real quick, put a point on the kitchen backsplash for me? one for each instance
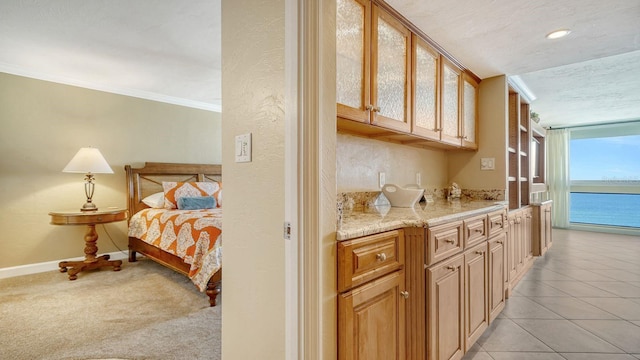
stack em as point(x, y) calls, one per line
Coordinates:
point(358, 201)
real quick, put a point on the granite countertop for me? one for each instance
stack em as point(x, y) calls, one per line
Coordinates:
point(377, 219)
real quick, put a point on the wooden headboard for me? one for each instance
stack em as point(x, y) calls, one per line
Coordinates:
point(147, 180)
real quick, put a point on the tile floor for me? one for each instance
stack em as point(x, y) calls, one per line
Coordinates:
point(581, 300)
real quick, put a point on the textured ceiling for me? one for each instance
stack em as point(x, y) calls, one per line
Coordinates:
point(170, 50)
point(166, 50)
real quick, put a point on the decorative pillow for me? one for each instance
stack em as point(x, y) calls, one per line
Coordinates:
point(155, 201)
point(196, 203)
point(174, 190)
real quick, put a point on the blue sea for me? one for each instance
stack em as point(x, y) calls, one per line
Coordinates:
point(605, 209)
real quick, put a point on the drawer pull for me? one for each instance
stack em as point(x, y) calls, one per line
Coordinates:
point(450, 241)
point(499, 242)
point(452, 268)
point(381, 257)
point(479, 252)
point(478, 230)
point(405, 294)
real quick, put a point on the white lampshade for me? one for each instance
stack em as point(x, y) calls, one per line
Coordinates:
point(88, 160)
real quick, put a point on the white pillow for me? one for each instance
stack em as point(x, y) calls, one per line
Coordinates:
point(155, 201)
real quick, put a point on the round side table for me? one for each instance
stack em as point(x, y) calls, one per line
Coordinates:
point(89, 218)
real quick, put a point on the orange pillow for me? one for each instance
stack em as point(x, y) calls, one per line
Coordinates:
point(174, 190)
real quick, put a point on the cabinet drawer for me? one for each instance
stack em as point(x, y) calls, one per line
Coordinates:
point(497, 222)
point(369, 257)
point(443, 241)
point(475, 230)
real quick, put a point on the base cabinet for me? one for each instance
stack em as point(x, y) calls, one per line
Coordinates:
point(519, 249)
point(372, 300)
point(541, 235)
point(371, 320)
point(458, 273)
point(497, 266)
point(476, 293)
point(445, 304)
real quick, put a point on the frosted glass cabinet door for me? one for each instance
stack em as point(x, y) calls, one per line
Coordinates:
point(352, 62)
point(391, 59)
point(469, 111)
point(450, 117)
point(426, 65)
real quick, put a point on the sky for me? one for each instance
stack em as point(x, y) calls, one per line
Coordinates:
point(606, 159)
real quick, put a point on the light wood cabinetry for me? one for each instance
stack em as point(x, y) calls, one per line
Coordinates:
point(475, 230)
point(541, 236)
point(450, 103)
point(519, 250)
point(443, 241)
point(519, 177)
point(353, 63)
point(421, 294)
point(469, 107)
point(393, 85)
point(426, 94)
point(465, 287)
point(371, 302)
point(497, 265)
point(390, 72)
point(373, 55)
point(476, 276)
point(445, 309)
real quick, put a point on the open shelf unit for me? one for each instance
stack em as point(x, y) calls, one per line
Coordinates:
point(519, 176)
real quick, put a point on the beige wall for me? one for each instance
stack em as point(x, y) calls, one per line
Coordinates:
point(359, 160)
point(464, 167)
point(43, 126)
point(253, 89)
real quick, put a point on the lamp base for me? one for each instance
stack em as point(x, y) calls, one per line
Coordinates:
point(88, 206)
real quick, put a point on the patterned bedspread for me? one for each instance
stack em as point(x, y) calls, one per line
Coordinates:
point(193, 235)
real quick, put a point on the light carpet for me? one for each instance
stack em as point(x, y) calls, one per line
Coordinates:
point(144, 311)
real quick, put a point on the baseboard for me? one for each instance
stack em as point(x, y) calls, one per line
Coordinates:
point(48, 266)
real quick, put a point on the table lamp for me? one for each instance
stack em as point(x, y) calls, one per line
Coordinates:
point(88, 161)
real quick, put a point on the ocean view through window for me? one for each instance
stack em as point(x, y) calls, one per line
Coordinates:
point(605, 180)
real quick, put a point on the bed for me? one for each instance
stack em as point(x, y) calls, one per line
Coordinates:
point(200, 259)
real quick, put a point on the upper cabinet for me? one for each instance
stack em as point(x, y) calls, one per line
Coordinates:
point(469, 112)
point(390, 65)
point(373, 66)
point(450, 117)
point(426, 81)
point(392, 84)
point(353, 31)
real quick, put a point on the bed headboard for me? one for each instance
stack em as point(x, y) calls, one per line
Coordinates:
point(147, 180)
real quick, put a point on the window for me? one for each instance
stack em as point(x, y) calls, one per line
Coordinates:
point(605, 175)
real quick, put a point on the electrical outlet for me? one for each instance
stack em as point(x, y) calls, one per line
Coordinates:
point(418, 179)
point(487, 163)
point(381, 179)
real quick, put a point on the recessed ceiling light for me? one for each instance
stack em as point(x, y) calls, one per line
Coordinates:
point(558, 34)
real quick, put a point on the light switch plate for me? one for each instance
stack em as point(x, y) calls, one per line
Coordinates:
point(487, 163)
point(243, 148)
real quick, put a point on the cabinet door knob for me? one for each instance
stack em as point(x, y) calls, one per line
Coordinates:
point(405, 294)
point(381, 257)
point(368, 107)
point(376, 109)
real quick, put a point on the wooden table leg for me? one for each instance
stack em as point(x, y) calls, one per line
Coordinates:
point(90, 261)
